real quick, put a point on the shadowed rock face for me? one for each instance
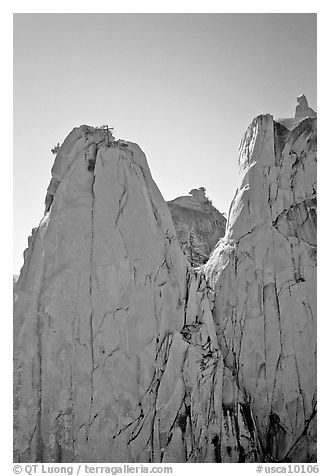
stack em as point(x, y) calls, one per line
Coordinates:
point(264, 276)
point(198, 225)
point(124, 353)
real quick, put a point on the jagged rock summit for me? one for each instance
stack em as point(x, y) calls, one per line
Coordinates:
point(263, 273)
point(125, 353)
point(302, 109)
point(198, 224)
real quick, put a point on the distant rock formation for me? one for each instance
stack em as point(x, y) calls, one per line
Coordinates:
point(198, 224)
point(123, 352)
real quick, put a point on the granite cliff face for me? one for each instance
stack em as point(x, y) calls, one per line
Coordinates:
point(125, 353)
point(198, 224)
point(98, 306)
point(263, 273)
point(116, 356)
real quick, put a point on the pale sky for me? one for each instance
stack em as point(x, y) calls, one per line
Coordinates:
point(183, 86)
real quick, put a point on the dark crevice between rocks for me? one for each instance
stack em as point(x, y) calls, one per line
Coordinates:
point(217, 449)
point(247, 416)
point(281, 133)
point(91, 164)
point(232, 411)
point(275, 437)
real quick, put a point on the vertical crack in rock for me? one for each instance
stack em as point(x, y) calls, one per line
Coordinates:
point(124, 352)
point(91, 168)
point(269, 245)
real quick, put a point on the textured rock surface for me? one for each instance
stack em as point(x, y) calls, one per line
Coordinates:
point(198, 225)
point(264, 277)
point(303, 109)
point(125, 353)
point(116, 355)
point(97, 304)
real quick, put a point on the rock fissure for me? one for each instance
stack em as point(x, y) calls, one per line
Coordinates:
point(137, 341)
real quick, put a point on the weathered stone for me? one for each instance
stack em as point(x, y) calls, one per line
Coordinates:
point(125, 353)
point(116, 354)
point(198, 224)
point(303, 109)
point(264, 277)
